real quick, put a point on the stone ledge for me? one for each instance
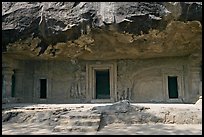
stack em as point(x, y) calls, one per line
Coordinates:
point(10, 100)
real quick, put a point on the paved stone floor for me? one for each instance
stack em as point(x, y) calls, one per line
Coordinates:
point(111, 129)
point(152, 129)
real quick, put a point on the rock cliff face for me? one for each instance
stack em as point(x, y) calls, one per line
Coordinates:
point(101, 30)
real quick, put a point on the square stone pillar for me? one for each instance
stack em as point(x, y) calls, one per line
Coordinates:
point(19, 89)
point(7, 82)
point(200, 88)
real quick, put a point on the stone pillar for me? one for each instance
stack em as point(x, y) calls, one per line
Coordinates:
point(19, 92)
point(200, 88)
point(7, 82)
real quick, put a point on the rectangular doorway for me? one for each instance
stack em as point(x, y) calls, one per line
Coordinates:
point(43, 88)
point(102, 84)
point(13, 86)
point(172, 87)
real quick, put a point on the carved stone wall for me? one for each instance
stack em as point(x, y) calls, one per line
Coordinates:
point(136, 80)
point(146, 80)
point(78, 86)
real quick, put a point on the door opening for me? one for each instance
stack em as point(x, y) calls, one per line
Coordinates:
point(13, 86)
point(172, 87)
point(2, 84)
point(102, 84)
point(43, 88)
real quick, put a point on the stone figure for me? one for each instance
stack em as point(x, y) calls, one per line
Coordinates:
point(77, 89)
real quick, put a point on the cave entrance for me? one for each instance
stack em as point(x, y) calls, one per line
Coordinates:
point(43, 88)
point(172, 87)
point(13, 86)
point(102, 84)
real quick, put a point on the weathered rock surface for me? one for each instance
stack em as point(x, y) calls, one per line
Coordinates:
point(124, 112)
point(122, 106)
point(68, 119)
point(101, 30)
point(199, 102)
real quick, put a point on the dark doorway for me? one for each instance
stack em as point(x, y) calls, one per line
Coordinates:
point(43, 88)
point(172, 87)
point(13, 86)
point(102, 84)
point(2, 82)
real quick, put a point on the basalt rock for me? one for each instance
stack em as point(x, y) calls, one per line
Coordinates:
point(101, 30)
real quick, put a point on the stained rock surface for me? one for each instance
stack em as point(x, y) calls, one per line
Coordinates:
point(101, 30)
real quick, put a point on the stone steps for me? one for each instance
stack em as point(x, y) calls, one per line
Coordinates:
point(75, 128)
point(87, 122)
point(78, 122)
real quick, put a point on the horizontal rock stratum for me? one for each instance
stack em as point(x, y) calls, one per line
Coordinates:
point(101, 30)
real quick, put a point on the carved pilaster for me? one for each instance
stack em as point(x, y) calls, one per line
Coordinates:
point(7, 82)
point(19, 82)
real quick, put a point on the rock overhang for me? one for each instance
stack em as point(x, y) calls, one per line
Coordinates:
point(101, 31)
